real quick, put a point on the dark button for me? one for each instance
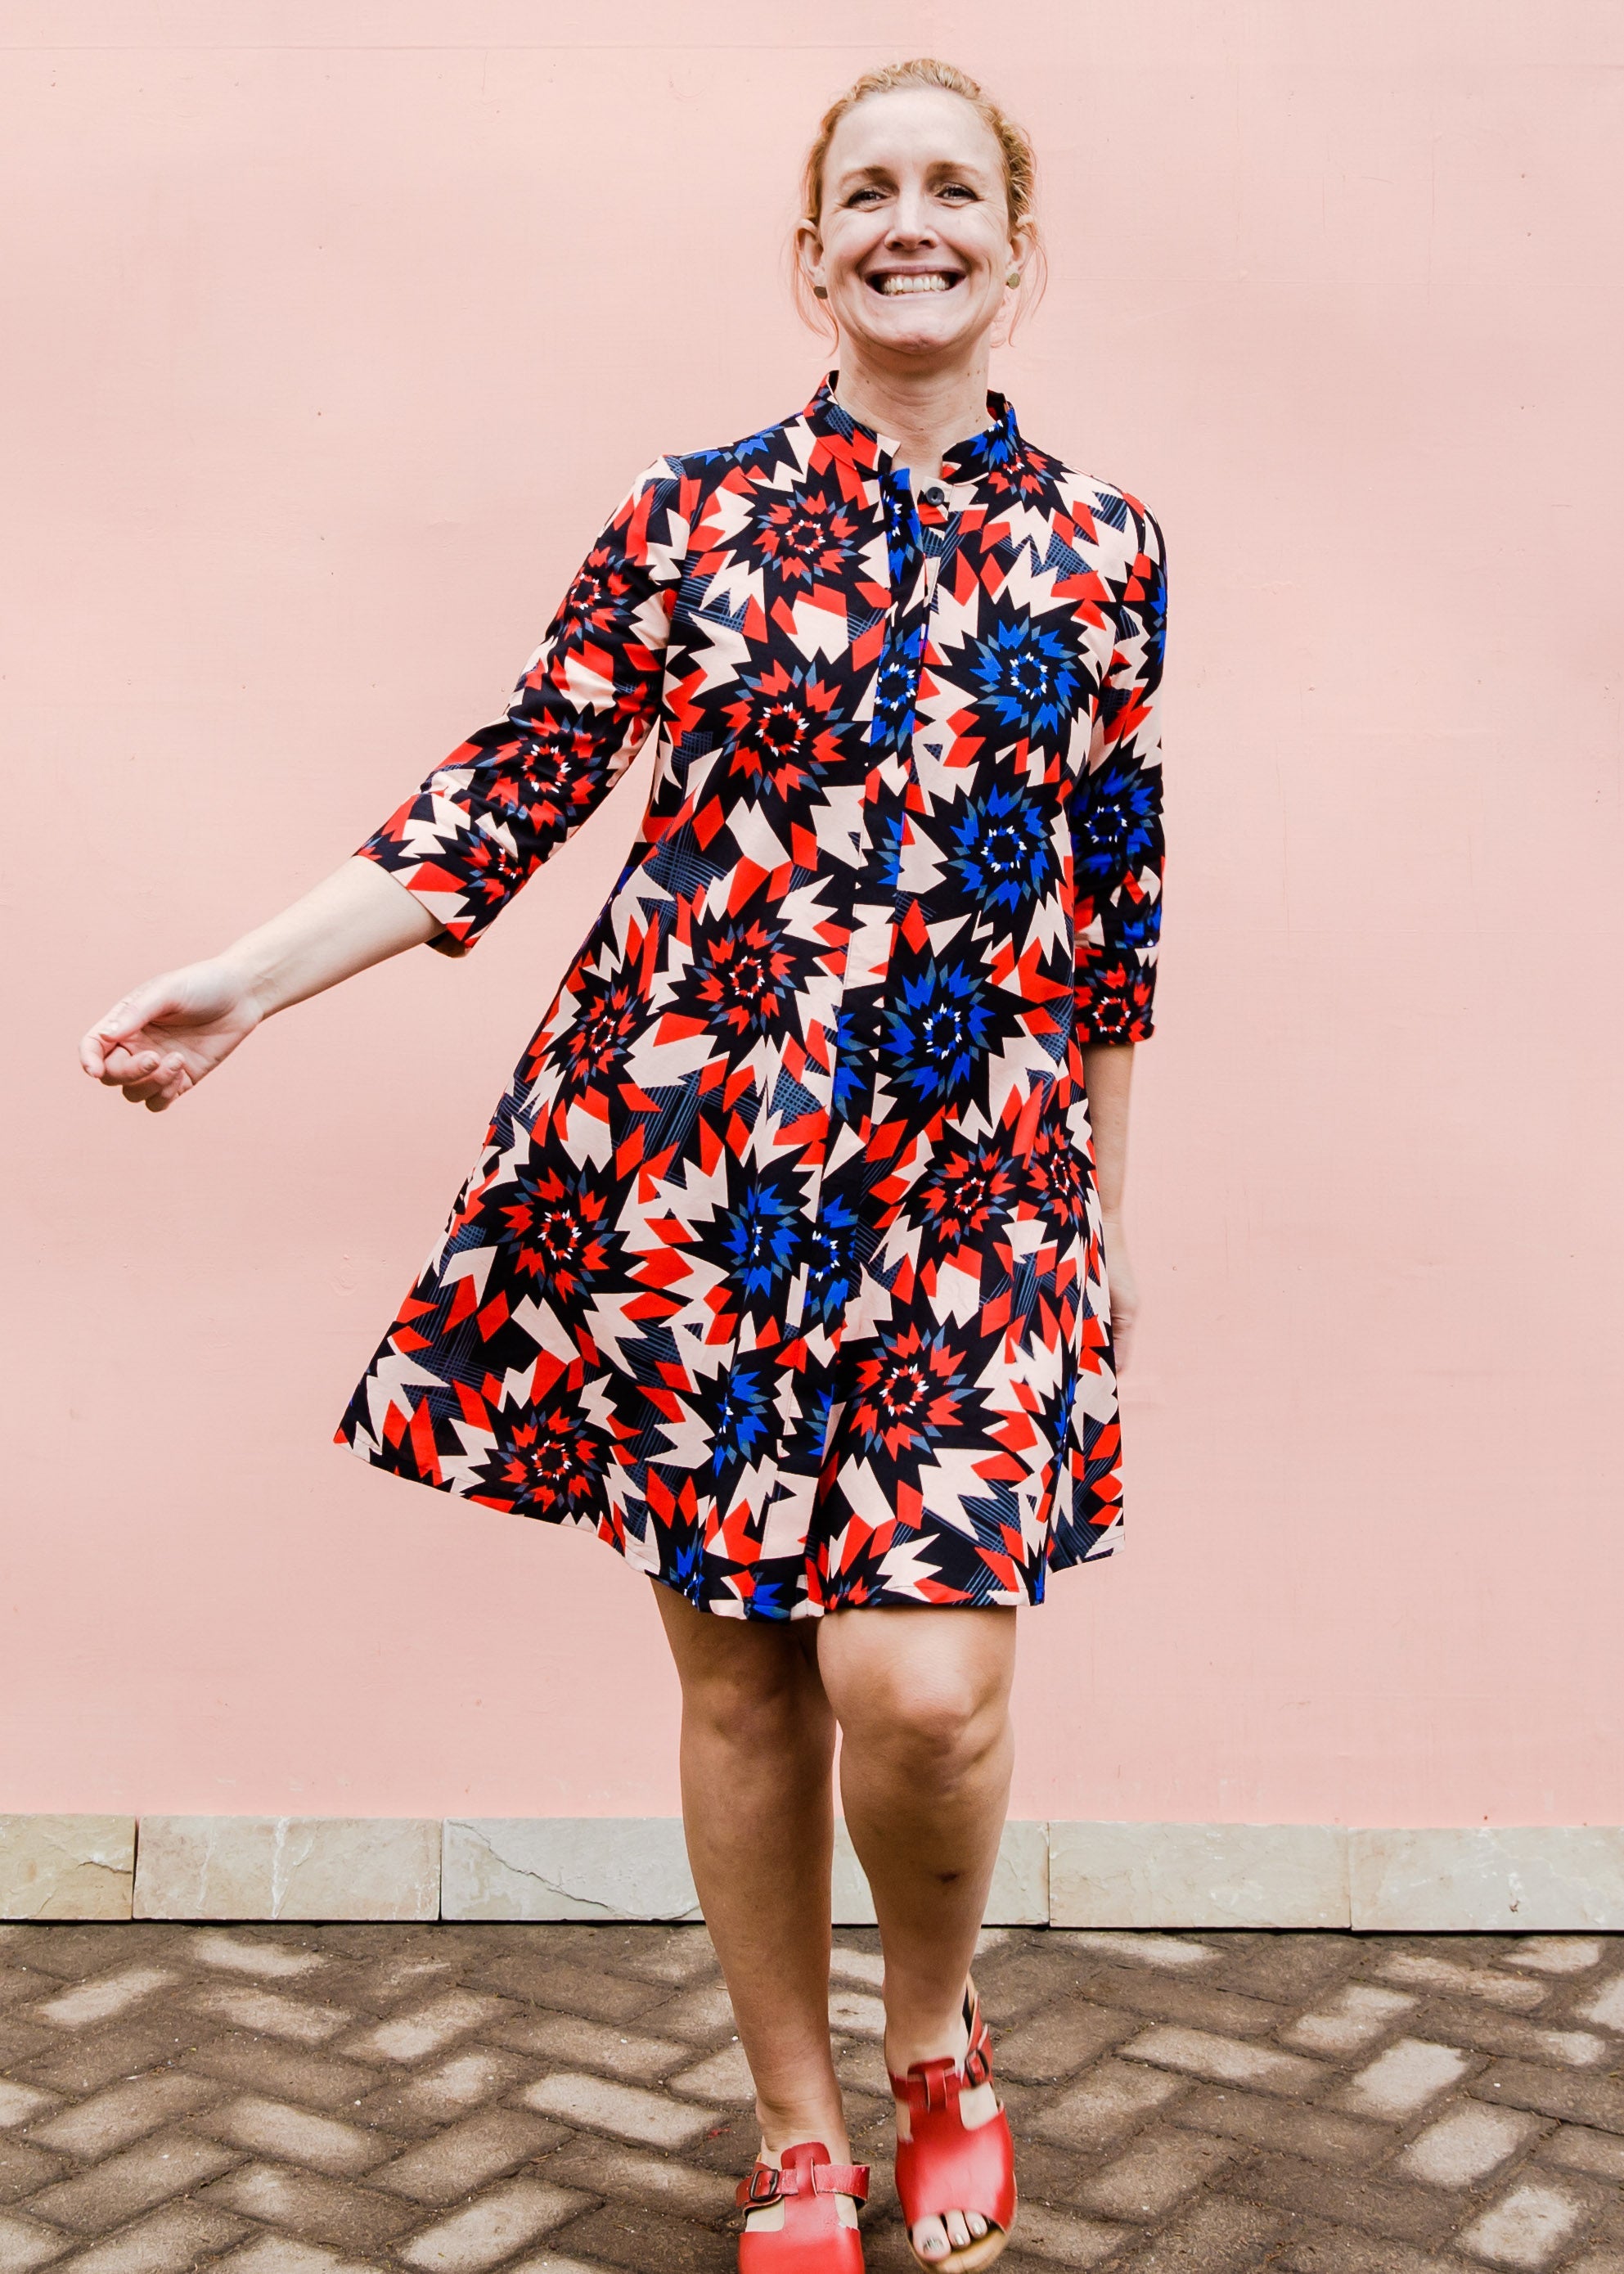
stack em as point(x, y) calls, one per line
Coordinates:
point(934, 495)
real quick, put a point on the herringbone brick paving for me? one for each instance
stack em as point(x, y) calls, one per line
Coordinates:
point(553, 2099)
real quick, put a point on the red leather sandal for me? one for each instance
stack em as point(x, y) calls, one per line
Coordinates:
point(944, 2165)
point(812, 2238)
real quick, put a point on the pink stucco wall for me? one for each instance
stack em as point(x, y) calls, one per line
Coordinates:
point(336, 328)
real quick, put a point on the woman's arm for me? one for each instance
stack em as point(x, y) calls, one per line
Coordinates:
point(163, 1037)
point(1107, 1069)
point(447, 861)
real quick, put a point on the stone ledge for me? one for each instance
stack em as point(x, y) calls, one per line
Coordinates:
point(624, 1867)
point(287, 1867)
point(1521, 1879)
point(66, 1867)
point(1489, 1879)
point(1191, 1875)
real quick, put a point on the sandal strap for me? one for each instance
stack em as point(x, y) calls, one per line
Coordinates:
point(766, 2185)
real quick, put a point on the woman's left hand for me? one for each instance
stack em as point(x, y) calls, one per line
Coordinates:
point(1124, 1288)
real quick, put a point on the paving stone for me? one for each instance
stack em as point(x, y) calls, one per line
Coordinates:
point(111, 2118)
point(490, 2229)
point(279, 2254)
point(1317, 2249)
point(99, 2000)
point(1358, 2014)
point(280, 2070)
point(1199, 2053)
point(1214, 2236)
point(856, 2015)
point(550, 2263)
point(1402, 2081)
point(1607, 2005)
point(272, 2012)
point(726, 2076)
point(673, 1955)
point(1171, 1951)
point(103, 2055)
point(167, 2241)
point(316, 2209)
point(1465, 2144)
point(1509, 2033)
point(19, 2041)
point(701, 2014)
point(623, 2109)
point(437, 2095)
point(218, 1947)
point(22, 2103)
point(860, 2067)
point(1062, 2240)
point(1345, 2142)
point(1554, 1954)
point(858, 1966)
point(464, 2155)
point(579, 2043)
point(25, 2245)
point(1421, 1970)
point(643, 2240)
point(1052, 2045)
point(1596, 2262)
point(295, 2136)
point(1162, 2167)
point(1289, 1968)
point(1176, 1997)
point(168, 2164)
point(426, 2029)
point(24, 2170)
point(574, 1988)
point(1580, 2150)
point(602, 2168)
point(1598, 2101)
point(1112, 2099)
point(1527, 2227)
point(1405, 2214)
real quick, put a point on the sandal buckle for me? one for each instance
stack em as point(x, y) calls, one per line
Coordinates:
point(756, 2193)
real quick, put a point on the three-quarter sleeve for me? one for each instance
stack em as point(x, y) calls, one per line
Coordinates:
point(1117, 837)
point(505, 800)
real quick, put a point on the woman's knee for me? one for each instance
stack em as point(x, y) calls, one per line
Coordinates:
point(928, 1698)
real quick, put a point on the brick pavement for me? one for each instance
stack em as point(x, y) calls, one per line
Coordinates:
point(549, 2099)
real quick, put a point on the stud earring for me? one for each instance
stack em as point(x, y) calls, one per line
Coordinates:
point(820, 291)
point(1013, 278)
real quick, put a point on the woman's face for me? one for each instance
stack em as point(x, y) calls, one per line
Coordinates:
point(914, 245)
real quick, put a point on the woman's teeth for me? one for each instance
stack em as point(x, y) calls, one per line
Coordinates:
point(933, 282)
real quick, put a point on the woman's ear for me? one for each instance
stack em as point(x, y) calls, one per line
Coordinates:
point(809, 257)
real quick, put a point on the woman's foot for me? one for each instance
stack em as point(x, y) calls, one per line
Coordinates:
point(951, 2131)
point(801, 2212)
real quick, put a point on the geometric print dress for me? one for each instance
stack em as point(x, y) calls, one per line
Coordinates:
point(780, 1266)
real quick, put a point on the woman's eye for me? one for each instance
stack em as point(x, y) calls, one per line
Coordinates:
point(957, 190)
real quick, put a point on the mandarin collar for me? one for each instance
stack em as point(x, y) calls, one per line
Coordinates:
point(996, 444)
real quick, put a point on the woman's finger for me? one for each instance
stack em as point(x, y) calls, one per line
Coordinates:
point(122, 1065)
point(122, 1024)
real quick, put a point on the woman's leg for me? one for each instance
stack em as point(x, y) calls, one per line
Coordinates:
point(922, 1700)
point(758, 1809)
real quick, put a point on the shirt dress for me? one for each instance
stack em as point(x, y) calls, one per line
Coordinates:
point(780, 1268)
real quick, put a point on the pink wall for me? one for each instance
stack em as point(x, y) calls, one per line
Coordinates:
point(308, 295)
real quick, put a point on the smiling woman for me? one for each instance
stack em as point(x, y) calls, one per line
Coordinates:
point(782, 1267)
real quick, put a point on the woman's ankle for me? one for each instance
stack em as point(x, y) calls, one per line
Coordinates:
point(920, 2033)
point(786, 2128)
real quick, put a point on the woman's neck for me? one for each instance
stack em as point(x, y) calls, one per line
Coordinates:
point(924, 413)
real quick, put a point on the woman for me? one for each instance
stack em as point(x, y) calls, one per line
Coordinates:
point(783, 1266)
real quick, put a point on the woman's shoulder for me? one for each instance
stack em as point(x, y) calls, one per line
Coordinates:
point(1117, 518)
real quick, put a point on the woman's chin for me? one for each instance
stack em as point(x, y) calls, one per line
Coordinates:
point(914, 332)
